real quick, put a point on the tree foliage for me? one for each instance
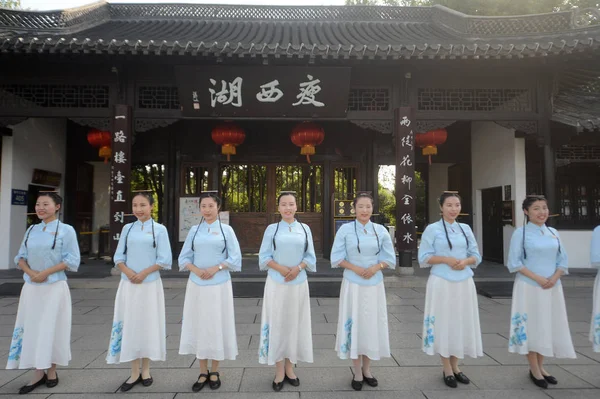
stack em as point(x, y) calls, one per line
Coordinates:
point(11, 4)
point(490, 7)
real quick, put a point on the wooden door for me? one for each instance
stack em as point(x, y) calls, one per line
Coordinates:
point(492, 232)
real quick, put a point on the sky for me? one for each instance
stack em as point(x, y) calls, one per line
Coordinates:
point(62, 4)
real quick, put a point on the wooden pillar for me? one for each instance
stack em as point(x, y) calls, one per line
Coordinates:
point(328, 185)
point(120, 172)
point(544, 100)
point(406, 237)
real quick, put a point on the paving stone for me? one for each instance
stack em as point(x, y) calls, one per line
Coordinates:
point(111, 396)
point(408, 327)
point(491, 340)
point(517, 377)
point(328, 301)
point(174, 360)
point(485, 394)
point(7, 376)
point(75, 381)
point(410, 379)
point(590, 374)
point(169, 380)
point(416, 357)
point(404, 340)
point(96, 341)
point(365, 393)
point(574, 393)
point(588, 351)
point(407, 317)
point(242, 395)
point(311, 379)
point(324, 341)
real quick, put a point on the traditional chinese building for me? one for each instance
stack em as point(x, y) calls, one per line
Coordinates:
point(186, 98)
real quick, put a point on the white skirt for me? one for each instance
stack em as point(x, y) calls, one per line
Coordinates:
point(286, 331)
point(139, 329)
point(539, 322)
point(595, 324)
point(451, 319)
point(208, 329)
point(42, 334)
point(362, 322)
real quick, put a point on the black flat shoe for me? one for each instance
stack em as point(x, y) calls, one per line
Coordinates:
point(277, 385)
point(450, 381)
point(462, 378)
point(29, 388)
point(147, 381)
point(357, 385)
point(127, 386)
point(540, 383)
point(372, 382)
point(199, 385)
point(214, 384)
point(293, 382)
point(51, 383)
point(550, 380)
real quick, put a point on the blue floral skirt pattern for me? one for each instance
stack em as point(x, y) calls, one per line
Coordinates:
point(16, 345)
point(345, 348)
point(264, 343)
point(428, 333)
point(518, 334)
point(116, 337)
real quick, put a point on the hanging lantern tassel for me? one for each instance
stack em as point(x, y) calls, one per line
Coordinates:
point(228, 135)
point(430, 140)
point(307, 136)
point(105, 152)
point(101, 140)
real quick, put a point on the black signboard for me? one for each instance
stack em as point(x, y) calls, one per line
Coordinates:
point(46, 178)
point(120, 172)
point(263, 91)
point(406, 185)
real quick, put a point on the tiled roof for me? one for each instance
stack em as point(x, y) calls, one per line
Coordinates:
point(294, 31)
point(578, 109)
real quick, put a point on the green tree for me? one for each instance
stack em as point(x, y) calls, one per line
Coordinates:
point(151, 177)
point(490, 7)
point(11, 4)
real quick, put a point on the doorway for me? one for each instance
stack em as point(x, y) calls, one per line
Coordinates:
point(492, 231)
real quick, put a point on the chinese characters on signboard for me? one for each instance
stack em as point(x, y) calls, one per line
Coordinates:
point(120, 171)
point(405, 180)
point(259, 91)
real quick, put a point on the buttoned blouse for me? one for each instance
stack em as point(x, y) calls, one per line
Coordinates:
point(434, 243)
point(39, 253)
point(345, 247)
point(290, 242)
point(543, 256)
point(141, 253)
point(208, 252)
point(595, 248)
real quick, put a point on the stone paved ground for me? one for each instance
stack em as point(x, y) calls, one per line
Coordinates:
point(408, 374)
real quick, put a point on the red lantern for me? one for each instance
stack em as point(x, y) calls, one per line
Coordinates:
point(307, 135)
point(430, 140)
point(228, 135)
point(100, 139)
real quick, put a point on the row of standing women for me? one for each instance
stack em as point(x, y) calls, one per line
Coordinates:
point(539, 327)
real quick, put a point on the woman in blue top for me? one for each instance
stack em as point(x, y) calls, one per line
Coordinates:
point(364, 249)
point(451, 318)
point(538, 326)
point(595, 259)
point(139, 329)
point(42, 334)
point(210, 251)
point(287, 249)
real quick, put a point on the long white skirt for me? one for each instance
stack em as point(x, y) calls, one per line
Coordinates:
point(208, 329)
point(539, 322)
point(139, 329)
point(286, 330)
point(595, 324)
point(42, 334)
point(451, 319)
point(362, 322)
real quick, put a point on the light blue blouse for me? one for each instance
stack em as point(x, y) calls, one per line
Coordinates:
point(543, 257)
point(290, 241)
point(141, 253)
point(435, 243)
point(345, 247)
point(595, 248)
point(40, 255)
point(208, 252)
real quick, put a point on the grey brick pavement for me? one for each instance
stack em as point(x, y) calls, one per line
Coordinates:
point(408, 374)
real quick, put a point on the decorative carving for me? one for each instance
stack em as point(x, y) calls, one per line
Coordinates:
point(585, 17)
point(527, 127)
point(478, 100)
point(381, 126)
point(425, 126)
point(54, 96)
point(143, 125)
point(10, 121)
point(96, 123)
point(369, 99)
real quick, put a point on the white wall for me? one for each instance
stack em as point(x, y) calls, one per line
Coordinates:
point(438, 183)
point(101, 199)
point(577, 244)
point(498, 159)
point(36, 144)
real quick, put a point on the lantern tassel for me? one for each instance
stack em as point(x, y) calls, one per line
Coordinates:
point(430, 160)
point(308, 158)
point(228, 158)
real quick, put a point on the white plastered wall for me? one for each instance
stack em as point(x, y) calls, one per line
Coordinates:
point(438, 183)
point(101, 200)
point(498, 159)
point(36, 143)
